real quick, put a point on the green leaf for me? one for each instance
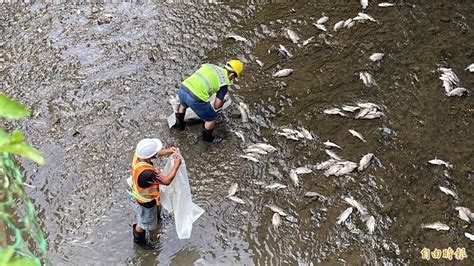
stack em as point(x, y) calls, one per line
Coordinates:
point(11, 109)
point(23, 149)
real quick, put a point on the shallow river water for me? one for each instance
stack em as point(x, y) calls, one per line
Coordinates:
point(98, 78)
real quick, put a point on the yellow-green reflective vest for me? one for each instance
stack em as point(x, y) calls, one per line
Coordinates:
point(207, 80)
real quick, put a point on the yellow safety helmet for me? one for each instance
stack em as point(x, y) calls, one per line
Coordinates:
point(236, 66)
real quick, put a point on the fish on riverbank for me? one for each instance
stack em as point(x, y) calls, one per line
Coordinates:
point(334, 111)
point(370, 224)
point(277, 209)
point(357, 135)
point(376, 57)
point(437, 161)
point(344, 215)
point(236, 37)
point(294, 177)
point(232, 189)
point(436, 226)
point(276, 220)
point(465, 214)
point(448, 191)
point(236, 199)
point(283, 73)
point(365, 161)
point(330, 144)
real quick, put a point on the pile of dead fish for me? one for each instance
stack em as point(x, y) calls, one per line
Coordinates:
point(365, 217)
point(294, 134)
point(451, 83)
point(254, 151)
point(365, 111)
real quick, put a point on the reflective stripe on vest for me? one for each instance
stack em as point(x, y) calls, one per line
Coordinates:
point(219, 74)
point(209, 87)
point(143, 195)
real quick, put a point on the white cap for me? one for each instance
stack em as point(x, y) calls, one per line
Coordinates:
point(146, 148)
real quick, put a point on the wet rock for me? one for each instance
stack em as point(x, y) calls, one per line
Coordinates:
point(445, 19)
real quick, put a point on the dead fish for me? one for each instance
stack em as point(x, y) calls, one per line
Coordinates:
point(276, 220)
point(275, 186)
point(306, 134)
point(365, 16)
point(255, 150)
point(236, 37)
point(386, 4)
point(344, 215)
point(236, 199)
point(311, 194)
point(338, 25)
point(260, 63)
point(347, 168)
point(264, 146)
point(329, 144)
point(292, 35)
point(285, 52)
point(373, 115)
point(370, 224)
point(448, 191)
point(436, 226)
point(240, 135)
point(465, 214)
point(243, 113)
point(320, 26)
point(232, 189)
point(347, 22)
point(333, 169)
point(376, 57)
point(350, 25)
point(303, 170)
point(457, 92)
point(369, 105)
point(354, 203)
point(334, 111)
point(470, 68)
point(349, 108)
point(306, 42)
point(365, 161)
point(283, 73)
point(470, 236)
point(357, 135)
point(367, 79)
point(333, 155)
point(363, 112)
point(250, 158)
point(288, 135)
point(364, 3)
point(325, 165)
point(437, 161)
point(294, 177)
point(277, 209)
point(322, 20)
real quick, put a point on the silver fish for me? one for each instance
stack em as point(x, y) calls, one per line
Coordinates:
point(347, 168)
point(363, 15)
point(347, 22)
point(277, 209)
point(325, 165)
point(365, 161)
point(236, 37)
point(250, 158)
point(338, 25)
point(373, 115)
point(292, 35)
point(311, 194)
point(276, 220)
point(306, 134)
point(260, 63)
point(236, 199)
point(334, 111)
point(363, 113)
point(232, 189)
point(288, 135)
point(303, 170)
point(465, 214)
point(284, 51)
point(275, 186)
point(344, 215)
point(370, 224)
point(385, 4)
point(354, 203)
point(350, 25)
point(332, 155)
point(369, 105)
point(255, 150)
point(294, 177)
point(437, 161)
point(366, 79)
point(349, 108)
point(357, 135)
point(320, 26)
point(376, 57)
point(306, 42)
point(457, 92)
point(470, 236)
point(264, 146)
point(448, 87)
point(448, 191)
point(470, 68)
point(243, 113)
point(322, 20)
point(333, 169)
point(329, 144)
point(283, 73)
point(240, 135)
point(364, 3)
point(436, 226)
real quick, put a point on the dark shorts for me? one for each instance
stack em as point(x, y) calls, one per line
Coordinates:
point(203, 109)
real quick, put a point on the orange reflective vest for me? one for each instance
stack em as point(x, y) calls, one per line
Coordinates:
point(143, 195)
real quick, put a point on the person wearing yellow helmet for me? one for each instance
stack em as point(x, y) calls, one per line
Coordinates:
point(195, 91)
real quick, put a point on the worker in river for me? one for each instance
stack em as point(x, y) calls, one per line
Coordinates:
point(144, 184)
point(195, 91)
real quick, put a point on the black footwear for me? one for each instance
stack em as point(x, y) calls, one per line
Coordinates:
point(140, 239)
point(180, 124)
point(158, 213)
point(208, 137)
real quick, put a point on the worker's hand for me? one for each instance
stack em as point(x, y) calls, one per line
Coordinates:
point(172, 150)
point(177, 160)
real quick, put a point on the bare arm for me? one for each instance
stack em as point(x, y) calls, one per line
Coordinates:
point(168, 178)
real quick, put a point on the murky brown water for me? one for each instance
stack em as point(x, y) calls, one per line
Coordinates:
point(95, 93)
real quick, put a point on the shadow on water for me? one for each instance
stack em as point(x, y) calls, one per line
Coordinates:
point(98, 79)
